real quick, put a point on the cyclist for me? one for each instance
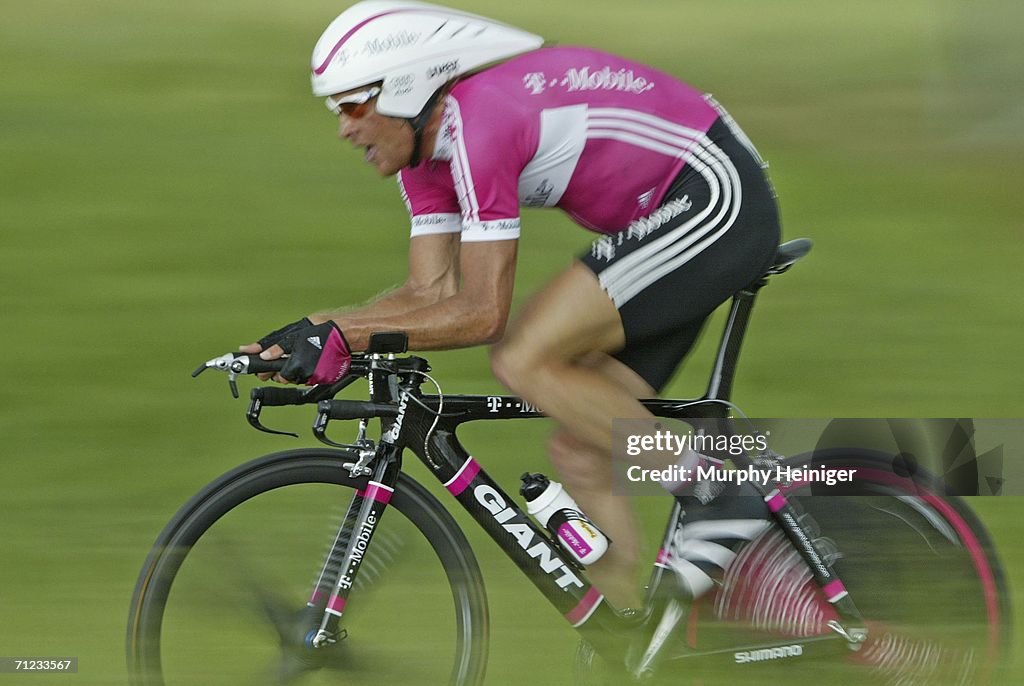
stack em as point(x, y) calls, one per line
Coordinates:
point(476, 119)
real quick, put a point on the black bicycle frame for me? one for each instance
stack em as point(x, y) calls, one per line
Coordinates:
point(427, 425)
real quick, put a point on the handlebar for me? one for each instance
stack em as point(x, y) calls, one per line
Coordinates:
point(382, 345)
point(387, 371)
point(240, 363)
point(271, 396)
point(355, 409)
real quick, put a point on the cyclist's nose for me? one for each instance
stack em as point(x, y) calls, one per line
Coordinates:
point(346, 127)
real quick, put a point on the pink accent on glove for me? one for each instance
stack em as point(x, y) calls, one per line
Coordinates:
point(334, 361)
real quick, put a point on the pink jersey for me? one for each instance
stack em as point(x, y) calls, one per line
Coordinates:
point(596, 135)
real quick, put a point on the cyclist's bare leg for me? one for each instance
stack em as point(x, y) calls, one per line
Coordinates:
point(555, 356)
point(542, 357)
point(586, 474)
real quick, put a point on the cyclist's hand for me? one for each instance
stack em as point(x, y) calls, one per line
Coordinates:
point(270, 341)
point(276, 336)
point(316, 355)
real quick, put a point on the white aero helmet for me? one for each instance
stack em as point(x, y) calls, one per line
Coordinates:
point(412, 48)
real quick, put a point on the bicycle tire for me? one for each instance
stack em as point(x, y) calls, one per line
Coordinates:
point(269, 488)
point(919, 563)
point(768, 593)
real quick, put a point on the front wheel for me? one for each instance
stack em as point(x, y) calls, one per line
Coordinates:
point(222, 598)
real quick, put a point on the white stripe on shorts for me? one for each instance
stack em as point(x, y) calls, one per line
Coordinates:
point(637, 271)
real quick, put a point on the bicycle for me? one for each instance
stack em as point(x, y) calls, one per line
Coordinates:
point(787, 601)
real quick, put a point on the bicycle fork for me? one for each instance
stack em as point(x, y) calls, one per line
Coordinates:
point(335, 582)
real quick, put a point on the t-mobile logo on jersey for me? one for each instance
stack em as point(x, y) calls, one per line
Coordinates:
point(535, 82)
point(625, 80)
point(583, 79)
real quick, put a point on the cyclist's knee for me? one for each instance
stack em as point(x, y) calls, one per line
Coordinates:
point(514, 366)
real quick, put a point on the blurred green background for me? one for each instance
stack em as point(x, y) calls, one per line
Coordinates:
point(169, 190)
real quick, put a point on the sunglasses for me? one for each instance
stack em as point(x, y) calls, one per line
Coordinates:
point(355, 105)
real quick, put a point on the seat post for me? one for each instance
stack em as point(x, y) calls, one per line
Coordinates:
point(720, 384)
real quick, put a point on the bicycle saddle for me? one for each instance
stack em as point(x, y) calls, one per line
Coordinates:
point(788, 254)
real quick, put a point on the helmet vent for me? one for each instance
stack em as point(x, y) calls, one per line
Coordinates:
point(436, 31)
point(457, 31)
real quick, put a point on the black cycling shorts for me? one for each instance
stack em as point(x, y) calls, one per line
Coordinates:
point(717, 231)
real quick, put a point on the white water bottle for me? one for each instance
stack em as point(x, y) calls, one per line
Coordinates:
point(550, 505)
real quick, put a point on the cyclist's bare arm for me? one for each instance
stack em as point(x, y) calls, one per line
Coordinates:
point(440, 315)
point(474, 314)
point(433, 276)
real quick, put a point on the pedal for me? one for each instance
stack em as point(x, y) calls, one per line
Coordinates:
point(855, 636)
point(654, 652)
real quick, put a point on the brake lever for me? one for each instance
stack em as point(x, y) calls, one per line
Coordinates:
point(222, 363)
point(232, 363)
point(253, 416)
point(276, 397)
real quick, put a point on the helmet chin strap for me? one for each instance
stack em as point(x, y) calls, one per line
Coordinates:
point(419, 124)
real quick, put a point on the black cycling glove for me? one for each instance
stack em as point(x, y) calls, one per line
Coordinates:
point(275, 337)
point(316, 355)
